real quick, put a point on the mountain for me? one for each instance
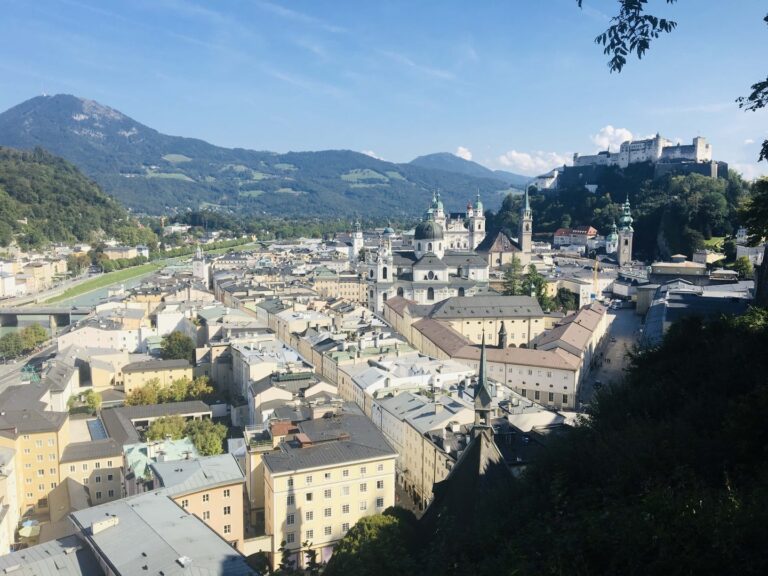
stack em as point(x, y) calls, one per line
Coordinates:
point(44, 198)
point(452, 163)
point(154, 173)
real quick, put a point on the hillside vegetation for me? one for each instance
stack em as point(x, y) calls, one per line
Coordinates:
point(669, 476)
point(44, 198)
point(155, 173)
point(674, 214)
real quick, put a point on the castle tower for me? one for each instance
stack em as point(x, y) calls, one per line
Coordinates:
point(477, 224)
point(626, 232)
point(357, 243)
point(483, 396)
point(526, 226)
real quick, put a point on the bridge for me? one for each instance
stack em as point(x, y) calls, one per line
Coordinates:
point(47, 316)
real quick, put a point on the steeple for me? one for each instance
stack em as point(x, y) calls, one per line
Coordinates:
point(479, 204)
point(525, 237)
point(483, 398)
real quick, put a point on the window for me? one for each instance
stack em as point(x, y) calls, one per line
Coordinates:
point(327, 530)
point(98, 495)
point(379, 502)
point(97, 465)
point(309, 479)
point(53, 485)
point(345, 509)
point(51, 456)
point(430, 293)
point(327, 512)
point(551, 396)
point(228, 529)
point(327, 476)
point(41, 472)
point(380, 468)
point(290, 519)
point(309, 515)
point(38, 443)
point(42, 503)
point(28, 465)
point(184, 504)
point(327, 493)
point(226, 493)
point(28, 480)
point(227, 510)
point(363, 505)
point(41, 487)
point(109, 477)
point(52, 471)
point(111, 493)
point(536, 395)
point(565, 398)
point(30, 495)
point(363, 470)
point(39, 457)
point(379, 484)
point(290, 538)
point(364, 487)
point(51, 442)
point(98, 479)
point(85, 480)
point(27, 451)
point(206, 497)
point(345, 490)
point(109, 463)
point(290, 482)
point(85, 466)
point(206, 515)
point(523, 392)
point(310, 534)
point(345, 473)
point(291, 500)
point(309, 496)
point(345, 527)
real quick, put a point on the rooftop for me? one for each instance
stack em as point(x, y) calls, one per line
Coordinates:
point(185, 476)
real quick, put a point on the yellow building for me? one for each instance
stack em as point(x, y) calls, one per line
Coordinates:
point(137, 374)
point(39, 438)
point(325, 478)
point(97, 466)
point(211, 488)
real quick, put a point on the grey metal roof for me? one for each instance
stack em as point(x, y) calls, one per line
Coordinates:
point(14, 422)
point(119, 421)
point(348, 437)
point(465, 259)
point(63, 557)
point(429, 261)
point(152, 365)
point(91, 450)
point(154, 535)
point(183, 476)
point(487, 307)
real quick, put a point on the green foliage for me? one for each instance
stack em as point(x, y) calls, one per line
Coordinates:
point(32, 336)
point(57, 201)
point(78, 263)
point(11, 345)
point(566, 300)
point(178, 346)
point(378, 545)
point(207, 436)
point(754, 212)
point(535, 284)
point(172, 427)
point(513, 278)
point(179, 390)
point(93, 401)
point(743, 266)
point(21, 342)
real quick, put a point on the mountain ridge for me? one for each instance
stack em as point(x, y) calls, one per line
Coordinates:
point(156, 173)
point(452, 163)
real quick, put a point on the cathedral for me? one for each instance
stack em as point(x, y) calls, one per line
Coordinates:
point(442, 260)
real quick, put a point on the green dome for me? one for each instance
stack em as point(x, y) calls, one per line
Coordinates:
point(428, 230)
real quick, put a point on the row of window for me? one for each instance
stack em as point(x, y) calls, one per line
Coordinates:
point(309, 515)
point(290, 538)
point(328, 493)
point(344, 474)
point(537, 396)
point(96, 466)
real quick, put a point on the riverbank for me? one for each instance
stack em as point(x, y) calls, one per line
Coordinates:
point(104, 280)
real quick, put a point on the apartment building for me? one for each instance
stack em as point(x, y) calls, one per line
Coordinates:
point(211, 488)
point(137, 374)
point(325, 478)
point(96, 465)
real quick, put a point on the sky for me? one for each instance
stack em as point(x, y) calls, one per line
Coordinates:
point(516, 85)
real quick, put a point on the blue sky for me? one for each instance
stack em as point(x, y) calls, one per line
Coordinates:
point(516, 84)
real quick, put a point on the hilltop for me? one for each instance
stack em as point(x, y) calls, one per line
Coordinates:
point(452, 163)
point(44, 198)
point(155, 173)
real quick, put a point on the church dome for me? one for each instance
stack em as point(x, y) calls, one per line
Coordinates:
point(428, 230)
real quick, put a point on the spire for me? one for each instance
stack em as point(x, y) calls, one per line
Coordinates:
point(527, 203)
point(479, 204)
point(483, 398)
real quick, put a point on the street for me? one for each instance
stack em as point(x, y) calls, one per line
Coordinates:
point(612, 358)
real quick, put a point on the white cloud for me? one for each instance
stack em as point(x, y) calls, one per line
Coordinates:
point(751, 171)
point(372, 154)
point(610, 138)
point(463, 152)
point(534, 163)
point(749, 141)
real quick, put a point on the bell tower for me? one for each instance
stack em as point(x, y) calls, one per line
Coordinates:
point(526, 226)
point(626, 232)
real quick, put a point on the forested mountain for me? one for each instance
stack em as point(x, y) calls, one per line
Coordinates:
point(44, 198)
point(452, 163)
point(152, 172)
point(673, 214)
point(667, 476)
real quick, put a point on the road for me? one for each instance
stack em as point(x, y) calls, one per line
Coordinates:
point(10, 374)
point(612, 358)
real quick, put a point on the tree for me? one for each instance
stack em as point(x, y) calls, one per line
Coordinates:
point(729, 250)
point(566, 300)
point(11, 345)
point(743, 266)
point(178, 346)
point(536, 285)
point(172, 427)
point(378, 545)
point(150, 393)
point(77, 263)
point(32, 336)
point(92, 400)
point(754, 216)
point(513, 278)
point(311, 565)
point(207, 436)
point(199, 389)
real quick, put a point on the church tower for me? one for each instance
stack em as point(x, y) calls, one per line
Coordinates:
point(357, 243)
point(476, 224)
point(526, 226)
point(612, 240)
point(201, 268)
point(483, 396)
point(626, 232)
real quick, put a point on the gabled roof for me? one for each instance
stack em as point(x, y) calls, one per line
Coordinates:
point(498, 242)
